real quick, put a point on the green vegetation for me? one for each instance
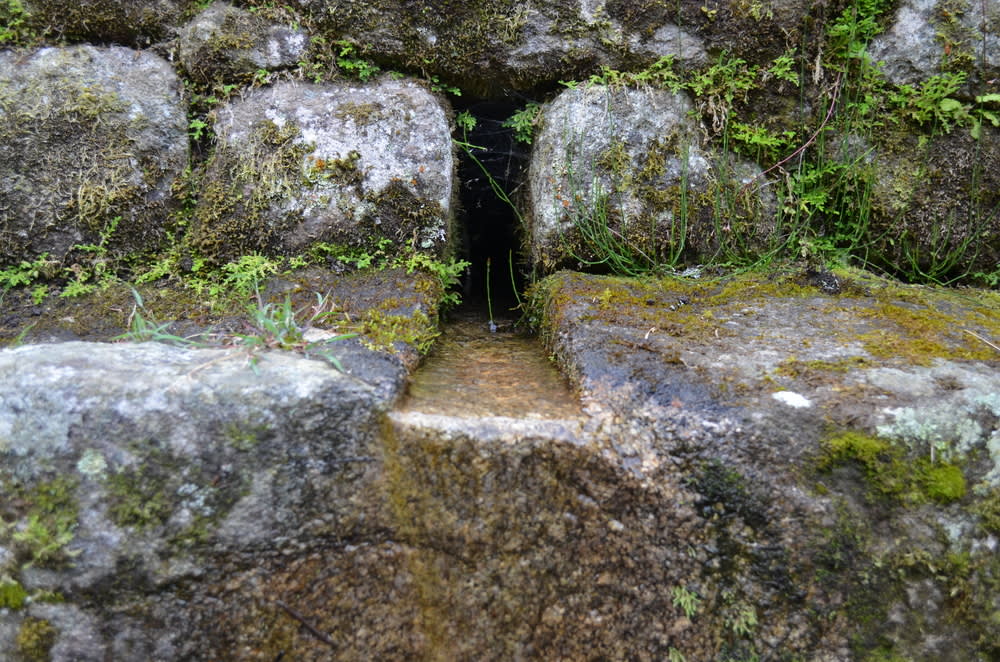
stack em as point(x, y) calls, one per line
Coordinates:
point(351, 64)
point(13, 16)
point(35, 639)
point(271, 326)
point(12, 594)
point(822, 167)
point(46, 524)
point(524, 121)
point(890, 473)
point(687, 600)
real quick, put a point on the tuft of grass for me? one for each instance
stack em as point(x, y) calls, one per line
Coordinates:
point(279, 326)
point(270, 326)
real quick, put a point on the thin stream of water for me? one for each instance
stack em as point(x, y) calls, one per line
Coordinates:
point(473, 372)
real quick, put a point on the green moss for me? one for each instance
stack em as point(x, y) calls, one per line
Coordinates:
point(48, 521)
point(383, 330)
point(12, 594)
point(242, 439)
point(883, 463)
point(795, 367)
point(35, 639)
point(242, 183)
point(890, 473)
point(360, 113)
point(138, 498)
point(856, 446)
point(943, 483)
point(100, 187)
point(409, 218)
point(147, 494)
point(988, 508)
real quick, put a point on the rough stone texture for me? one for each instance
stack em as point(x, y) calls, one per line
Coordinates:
point(928, 37)
point(779, 369)
point(226, 43)
point(345, 163)
point(701, 504)
point(627, 166)
point(126, 22)
point(174, 467)
point(529, 44)
point(91, 142)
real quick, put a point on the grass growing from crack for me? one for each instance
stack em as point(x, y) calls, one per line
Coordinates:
point(270, 326)
point(822, 164)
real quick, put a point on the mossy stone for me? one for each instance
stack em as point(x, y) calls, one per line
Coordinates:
point(943, 483)
point(35, 640)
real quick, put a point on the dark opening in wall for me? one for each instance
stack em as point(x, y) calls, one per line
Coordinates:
point(491, 232)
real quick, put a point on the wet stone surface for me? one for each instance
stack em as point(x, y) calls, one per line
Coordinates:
point(475, 372)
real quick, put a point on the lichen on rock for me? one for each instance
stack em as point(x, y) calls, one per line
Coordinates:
point(342, 163)
point(226, 44)
point(93, 140)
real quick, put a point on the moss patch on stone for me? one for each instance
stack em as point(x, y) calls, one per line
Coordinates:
point(98, 185)
point(153, 491)
point(39, 519)
point(243, 182)
point(890, 473)
point(35, 639)
point(12, 594)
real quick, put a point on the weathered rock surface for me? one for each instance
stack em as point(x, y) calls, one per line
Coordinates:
point(168, 469)
point(525, 45)
point(928, 37)
point(91, 142)
point(135, 24)
point(620, 175)
point(836, 435)
point(226, 43)
point(343, 163)
point(801, 464)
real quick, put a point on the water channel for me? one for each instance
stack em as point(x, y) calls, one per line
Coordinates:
point(473, 372)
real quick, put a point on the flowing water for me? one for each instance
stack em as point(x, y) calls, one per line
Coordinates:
point(473, 372)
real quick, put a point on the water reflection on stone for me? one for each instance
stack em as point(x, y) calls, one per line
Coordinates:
point(473, 372)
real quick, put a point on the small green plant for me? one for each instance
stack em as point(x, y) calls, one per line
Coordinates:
point(99, 273)
point(142, 329)
point(197, 128)
point(49, 523)
point(674, 655)
point(350, 63)
point(659, 74)
point(443, 88)
point(687, 600)
point(245, 275)
point(39, 293)
point(602, 245)
point(933, 103)
point(12, 22)
point(383, 256)
point(25, 272)
point(269, 326)
point(524, 121)
point(447, 273)
point(742, 619)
